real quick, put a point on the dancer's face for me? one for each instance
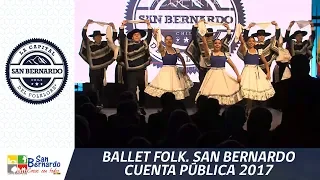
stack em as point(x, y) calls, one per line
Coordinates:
point(97, 38)
point(168, 41)
point(217, 45)
point(251, 42)
point(261, 38)
point(136, 37)
point(299, 37)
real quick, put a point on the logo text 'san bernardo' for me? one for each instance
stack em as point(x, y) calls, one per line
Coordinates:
point(176, 18)
point(36, 71)
point(40, 161)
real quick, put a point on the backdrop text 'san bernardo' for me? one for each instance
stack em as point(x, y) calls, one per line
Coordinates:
point(231, 11)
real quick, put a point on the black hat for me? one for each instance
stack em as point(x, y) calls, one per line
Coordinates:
point(96, 33)
point(142, 33)
point(209, 32)
point(293, 36)
point(261, 32)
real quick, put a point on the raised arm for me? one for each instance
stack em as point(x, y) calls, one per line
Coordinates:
point(287, 38)
point(278, 31)
point(84, 30)
point(246, 31)
point(242, 48)
point(149, 36)
point(114, 32)
point(160, 46)
point(205, 46)
point(122, 36)
point(227, 38)
point(313, 33)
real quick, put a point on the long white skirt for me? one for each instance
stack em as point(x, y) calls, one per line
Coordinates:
point(221, 86)
point(254, 84)
point(170, 79)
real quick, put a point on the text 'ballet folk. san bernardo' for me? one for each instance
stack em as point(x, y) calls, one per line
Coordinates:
point(214, 163)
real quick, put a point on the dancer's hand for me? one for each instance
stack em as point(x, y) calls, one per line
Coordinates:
point(251, 25)
point(291, 24)
point(112, 25)
point(274, 23)
point(311, 23)
point(241, 38)
point(147, 21)
point(124, 22)
point(226, 25)
point(239, 79)
point(89, 21)
point(268, 76)
point(155, 31)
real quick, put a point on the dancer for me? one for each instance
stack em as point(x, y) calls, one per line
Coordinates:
point(136, 58)
point(197, 53)
point(295, 45)
point(255, 84)
point(262, 45)
point(170, 78)
point(98, 54)
point(281, 70)
point(217, 83)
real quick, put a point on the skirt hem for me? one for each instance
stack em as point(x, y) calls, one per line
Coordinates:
point(158, 92)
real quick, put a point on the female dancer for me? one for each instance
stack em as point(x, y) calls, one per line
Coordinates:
point(217, 83)
point(170, 78)
point(255, 84)
point(281, 70)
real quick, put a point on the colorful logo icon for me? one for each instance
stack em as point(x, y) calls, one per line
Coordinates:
point(17, 164)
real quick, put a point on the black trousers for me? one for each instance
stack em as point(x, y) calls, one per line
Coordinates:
point(278, 71)
point(132, 79)
point(202, 74)
point(96, 81)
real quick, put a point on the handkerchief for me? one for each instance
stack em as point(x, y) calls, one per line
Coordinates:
point(135, 21)
point(202, 28)
point(301, 24)
point(238, 31)
point(263, 25)
point(214, 24)
point(101, 23)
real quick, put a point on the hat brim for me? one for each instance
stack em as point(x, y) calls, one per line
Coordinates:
point(97, 35)
point(259, 34)
point(293, 36)
point(142, 33)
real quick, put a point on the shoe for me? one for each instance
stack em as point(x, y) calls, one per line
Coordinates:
point(100, 106)
point(142, 111)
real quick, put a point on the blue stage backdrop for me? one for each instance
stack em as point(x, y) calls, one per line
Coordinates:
point(187, 164)
point(315, 52)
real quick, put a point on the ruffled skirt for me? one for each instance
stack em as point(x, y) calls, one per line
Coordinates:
point(254, 84)
point(221, 86)
point(170, 79)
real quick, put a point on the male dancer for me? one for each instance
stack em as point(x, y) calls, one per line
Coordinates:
point(136, 58)
point(196, 52)
point(98, 54)
point(263, 46)
point(295, 45)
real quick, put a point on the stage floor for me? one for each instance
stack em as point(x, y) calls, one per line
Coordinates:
point(276, 121)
